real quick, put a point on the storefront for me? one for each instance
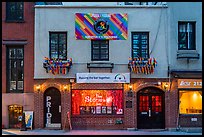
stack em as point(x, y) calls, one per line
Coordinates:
point(100, 86)
point(190, 102)
point(98, 100)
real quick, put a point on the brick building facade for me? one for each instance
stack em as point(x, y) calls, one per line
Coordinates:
point(17, 36)
point(149, 100)
point(142, 97)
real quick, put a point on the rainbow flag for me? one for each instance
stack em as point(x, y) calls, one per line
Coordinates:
point(101, 26)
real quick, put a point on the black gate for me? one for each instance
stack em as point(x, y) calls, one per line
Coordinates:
point(151, 114)
point(52, 108)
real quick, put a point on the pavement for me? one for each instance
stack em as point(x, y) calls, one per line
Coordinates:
point(94, 132)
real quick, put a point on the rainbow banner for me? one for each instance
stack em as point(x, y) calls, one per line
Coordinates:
point(101, 26)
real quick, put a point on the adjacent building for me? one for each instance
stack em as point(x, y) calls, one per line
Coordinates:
point(185, 62)
point(17, 61)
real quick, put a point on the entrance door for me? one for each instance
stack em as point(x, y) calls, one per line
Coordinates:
point(15, 116)
point(150, 109)
point(52, 107)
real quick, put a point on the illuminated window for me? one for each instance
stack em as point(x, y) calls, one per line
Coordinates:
point(15, 116)
point(97, 102)
point(190, 102)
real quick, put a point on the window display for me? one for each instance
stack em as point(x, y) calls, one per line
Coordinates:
point(97, 102)
point(190, 102)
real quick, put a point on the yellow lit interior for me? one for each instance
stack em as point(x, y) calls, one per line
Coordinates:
point(190, 102)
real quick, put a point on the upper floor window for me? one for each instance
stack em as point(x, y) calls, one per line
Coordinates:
point(15, 71)
point(140, 44)
point(58, 45)
point(186, 36)
point(14, 11)
point(100, 50)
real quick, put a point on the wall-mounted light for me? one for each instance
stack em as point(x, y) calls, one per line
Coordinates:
point(65, 87)
point(165, 86)
point(71, 80)
point(130, 87)
point(38, 88)
point(130, 92)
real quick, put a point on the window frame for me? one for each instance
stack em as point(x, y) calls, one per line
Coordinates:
point(140, 45)
point(92, 48)
point(8, 80)
point(193, 23)
point(14, 18)
point(58, 33)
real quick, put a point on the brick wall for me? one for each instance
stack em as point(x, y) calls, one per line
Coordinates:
point(19, 31)
point(189, 121)
point(105, 122)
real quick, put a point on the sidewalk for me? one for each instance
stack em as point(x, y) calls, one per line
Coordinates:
point(92, 132)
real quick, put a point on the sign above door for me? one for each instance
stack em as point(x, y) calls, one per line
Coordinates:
point(103, 78)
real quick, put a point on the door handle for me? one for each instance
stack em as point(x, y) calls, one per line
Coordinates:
point(149, 112)
point(60, 109)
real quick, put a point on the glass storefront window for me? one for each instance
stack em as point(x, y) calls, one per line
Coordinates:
point(97, 102)
point(190, 102)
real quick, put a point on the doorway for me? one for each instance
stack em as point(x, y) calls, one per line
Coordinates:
point(150, 109)
point(52, 108)
point(15, 116)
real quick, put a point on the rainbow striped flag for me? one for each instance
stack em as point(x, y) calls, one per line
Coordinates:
point(101, 26)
